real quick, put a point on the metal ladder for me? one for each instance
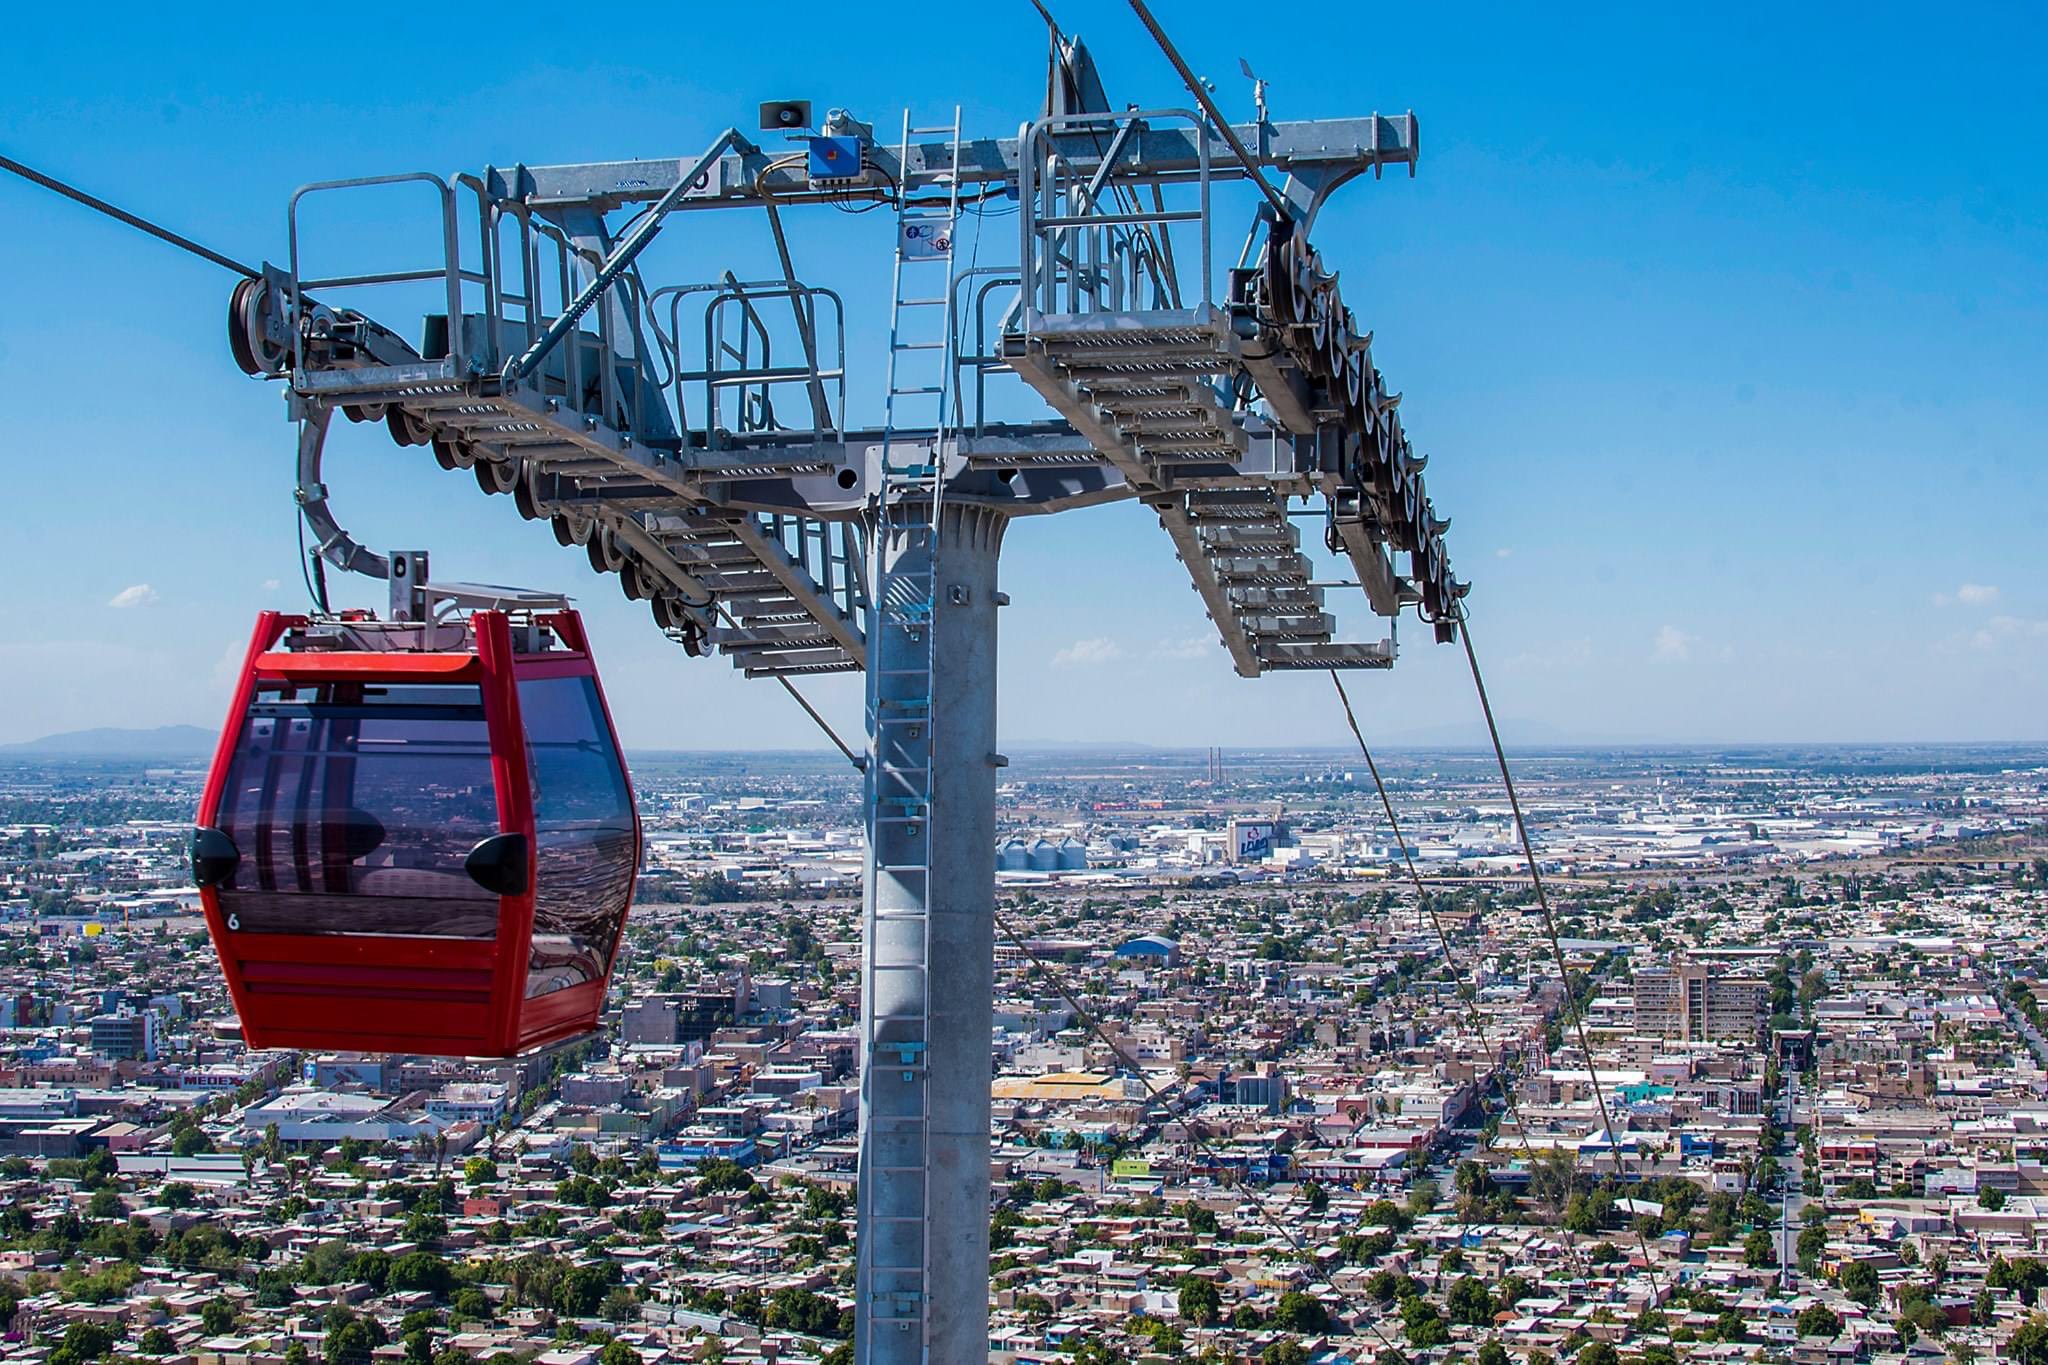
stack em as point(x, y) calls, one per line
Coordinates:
point(895, 1059)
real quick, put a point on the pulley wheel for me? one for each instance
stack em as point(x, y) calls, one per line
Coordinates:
point(563, 536)
point(1319, 323)
point(523, 499)
point(629, 580)
point(405, 430)
point(605, 556)
point(252, 347)
point(495, 476)
point(444, 452)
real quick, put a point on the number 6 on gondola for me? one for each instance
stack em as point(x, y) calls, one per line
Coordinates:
point(417, 837)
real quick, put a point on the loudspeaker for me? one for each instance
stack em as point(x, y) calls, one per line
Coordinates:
point(787, 115)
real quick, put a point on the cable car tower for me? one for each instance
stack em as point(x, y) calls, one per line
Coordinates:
point(692, 437)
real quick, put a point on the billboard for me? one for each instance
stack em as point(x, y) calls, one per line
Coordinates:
point(1251, 841)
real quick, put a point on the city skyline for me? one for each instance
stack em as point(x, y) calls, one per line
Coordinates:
point(1280, 1103)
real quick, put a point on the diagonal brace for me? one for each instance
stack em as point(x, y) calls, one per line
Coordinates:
point(622, 257)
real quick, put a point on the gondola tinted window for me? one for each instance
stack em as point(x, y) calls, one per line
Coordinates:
point(354, 805)
point(585, 834)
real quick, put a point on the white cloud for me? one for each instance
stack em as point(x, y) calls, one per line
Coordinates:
point(2002, 628)
point(138, 595)
point(1502, 553)
point(1672, 646)
point(1193, 647)
point(1087, 653)
point(1968, 595)
point(271, 585)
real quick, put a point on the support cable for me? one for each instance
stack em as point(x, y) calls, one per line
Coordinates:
point(1161, 245)
point(1155, 1096)
point(1428, 905)
point(1215, 115)
point(314, 573)
point(121, 215)
point(801, 700)
point(819, 720)
point(1578, 1016)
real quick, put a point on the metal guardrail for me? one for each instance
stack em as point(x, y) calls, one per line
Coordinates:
point(739, 355)
point(450, 270)
point(1086, 243)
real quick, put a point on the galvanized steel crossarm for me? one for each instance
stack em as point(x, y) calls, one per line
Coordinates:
point(1154, 155)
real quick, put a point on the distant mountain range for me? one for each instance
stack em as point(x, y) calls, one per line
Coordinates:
point(165, 741)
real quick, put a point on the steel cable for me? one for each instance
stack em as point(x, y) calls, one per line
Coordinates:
point(1428, 906)
point(1578, 1015)
point(121, 215)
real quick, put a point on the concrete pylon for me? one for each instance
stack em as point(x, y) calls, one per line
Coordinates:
point(924, 1136)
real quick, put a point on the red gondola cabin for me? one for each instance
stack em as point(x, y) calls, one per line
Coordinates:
point(417, 837)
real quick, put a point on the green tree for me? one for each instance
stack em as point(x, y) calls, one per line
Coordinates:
point(1758, 1251)
point(1813, 1240)
point(1599, 1353)
point(1286, 1351)
point(420, 1272)
point(157, 1342)
point(1200, 1302)
point(83, 1341)
point(1299, 1312)
point(618, 1353)
point(217, 1316)
point(352, 1341)
point(1468, 1302)
point(581, 1290)
point(1422, 1325)
point(1818, 1320)
point(2028, 1344)
point(1859, 1282)
point(372, 1268)
point(1492, 1353)
point(718, 1175)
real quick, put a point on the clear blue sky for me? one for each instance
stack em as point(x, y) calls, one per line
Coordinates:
point(1725, 331)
